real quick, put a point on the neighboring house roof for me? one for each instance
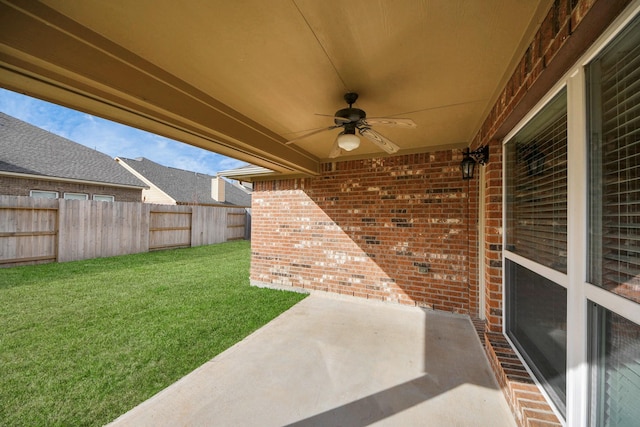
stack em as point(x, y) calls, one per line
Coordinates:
point(187, 187)
point(26, 150)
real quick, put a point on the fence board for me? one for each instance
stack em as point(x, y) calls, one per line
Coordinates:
point(169, 227)
point(236, 224)
point(44, 230)
point(28, 230)
point(209, 225)
point(92, 229)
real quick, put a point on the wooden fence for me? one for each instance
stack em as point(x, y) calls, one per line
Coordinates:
point(47, 230)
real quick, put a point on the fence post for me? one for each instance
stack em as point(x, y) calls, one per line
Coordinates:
point(247, 224)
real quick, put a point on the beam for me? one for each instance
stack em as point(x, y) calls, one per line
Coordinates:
point(46, 55)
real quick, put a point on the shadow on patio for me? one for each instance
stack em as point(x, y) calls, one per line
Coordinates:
point(330, 362)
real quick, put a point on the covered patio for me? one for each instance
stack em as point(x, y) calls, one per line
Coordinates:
point(540, 247)
point(332, 361)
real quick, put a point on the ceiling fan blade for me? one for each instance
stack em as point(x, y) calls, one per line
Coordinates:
point(378, 139)
point(389, 121)
point(339, 119)
point(310, 134)
point(335, 149)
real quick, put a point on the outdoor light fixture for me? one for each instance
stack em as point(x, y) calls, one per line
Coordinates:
point(468, 164)
point(348, 140)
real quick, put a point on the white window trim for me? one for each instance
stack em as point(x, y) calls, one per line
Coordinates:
point(579, 291)
point(535, 380)
point(32, 192)
point(558, 277)
point(482, 284)
point(86, 196)
point(613, 302)
point(112, 198)
point(577, 211)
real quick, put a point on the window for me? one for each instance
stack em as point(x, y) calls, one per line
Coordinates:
point(614, 106)
point(76, 196)
point(536, 213)
point(41, 194)
point(572, 234)
point(615, 368)
point(537, 325)
point(613, 88)
point(536, 182)
point(103, 198)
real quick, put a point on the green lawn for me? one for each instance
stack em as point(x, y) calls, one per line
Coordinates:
point(83, 342)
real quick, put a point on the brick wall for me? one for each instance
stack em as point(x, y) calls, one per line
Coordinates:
point(527, 403)
point(12, 186)
point(371, 228)
point(400, 229)
point(371, 218)
point(569, 28)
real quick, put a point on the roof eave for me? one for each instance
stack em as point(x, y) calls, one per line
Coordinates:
point(248, 173)
point(70, 180)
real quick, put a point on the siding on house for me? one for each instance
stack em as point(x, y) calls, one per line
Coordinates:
point(34, 159)
point(173, 186)
point(156, 196)
point(14, 186)
point(153, 194)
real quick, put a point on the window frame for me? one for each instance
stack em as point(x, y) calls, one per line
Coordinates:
point(69, 193)
point(579, 291)
point(32, 192)
point(558, 277)
point(514, 221)
point(598, 242)
point(597, 359)
point(103, 198)
point(517, 343)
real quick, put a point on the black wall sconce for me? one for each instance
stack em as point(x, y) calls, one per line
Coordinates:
point(468, 164)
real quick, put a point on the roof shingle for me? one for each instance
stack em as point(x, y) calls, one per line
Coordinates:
point(186, 186)
point(27, 149)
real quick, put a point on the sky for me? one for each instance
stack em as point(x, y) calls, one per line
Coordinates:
point(112, 138)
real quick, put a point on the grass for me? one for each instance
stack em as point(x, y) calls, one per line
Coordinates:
point(83, 342)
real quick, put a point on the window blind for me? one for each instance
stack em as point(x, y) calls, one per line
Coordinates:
point(616, 365)
point(537, 188)
point(614, 79)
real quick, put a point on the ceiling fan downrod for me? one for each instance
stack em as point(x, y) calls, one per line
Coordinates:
point(351, 98)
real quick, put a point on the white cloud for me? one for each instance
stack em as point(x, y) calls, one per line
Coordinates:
point(112, 138)
point(227, 163)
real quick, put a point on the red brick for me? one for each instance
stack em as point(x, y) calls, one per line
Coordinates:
point(327, 216)
point(358, 219)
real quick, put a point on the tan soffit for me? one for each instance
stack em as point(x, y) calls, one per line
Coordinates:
point(243, 77)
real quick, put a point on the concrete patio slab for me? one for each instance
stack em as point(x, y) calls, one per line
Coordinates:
point(337, 362)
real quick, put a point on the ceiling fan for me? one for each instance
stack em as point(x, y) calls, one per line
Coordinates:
point(352, 119)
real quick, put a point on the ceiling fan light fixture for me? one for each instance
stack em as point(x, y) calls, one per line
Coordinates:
point(353, 119)
point(348, 141)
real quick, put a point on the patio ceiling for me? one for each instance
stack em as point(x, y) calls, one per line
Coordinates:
point(242, 77)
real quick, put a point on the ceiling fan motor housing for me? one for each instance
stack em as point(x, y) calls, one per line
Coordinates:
point(349, 114)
